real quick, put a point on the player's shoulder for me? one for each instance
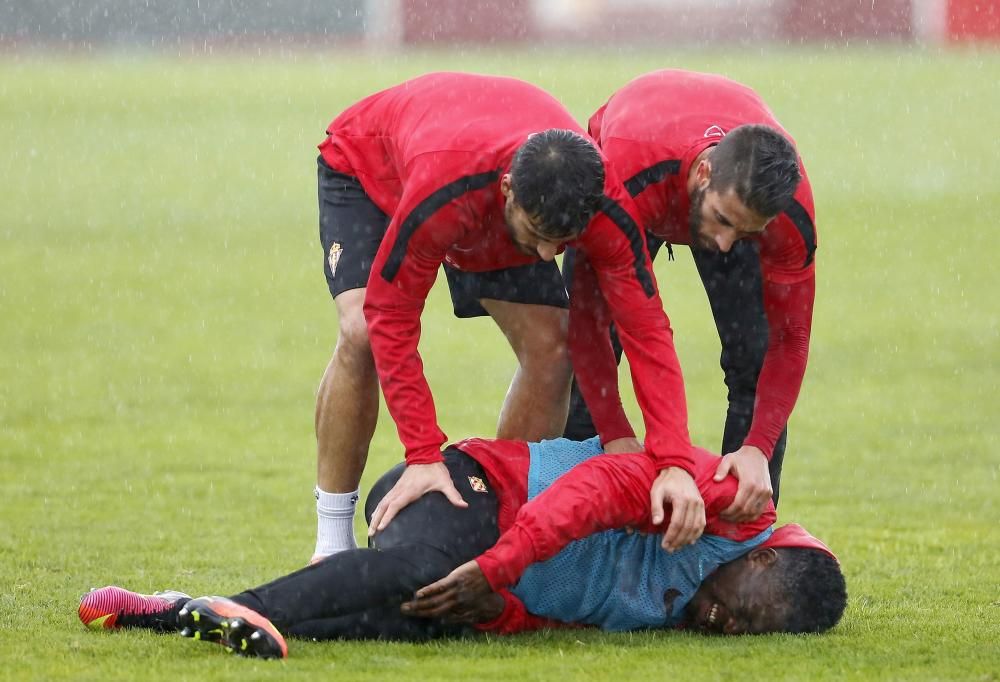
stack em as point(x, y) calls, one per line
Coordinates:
point(790, 241)
point(788, 251)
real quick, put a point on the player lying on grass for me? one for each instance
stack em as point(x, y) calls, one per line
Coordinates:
point(737, 578)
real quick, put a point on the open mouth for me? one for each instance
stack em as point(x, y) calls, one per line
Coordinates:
point(713, 614)
point(709, 618)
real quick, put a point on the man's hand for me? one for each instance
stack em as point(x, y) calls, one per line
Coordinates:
point(462, 596)
point(623, 445)
point(416, 481)
point(675, 487)
point(749, 466)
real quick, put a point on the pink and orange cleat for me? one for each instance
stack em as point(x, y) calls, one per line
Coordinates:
point(208, 619)
point(110, 608)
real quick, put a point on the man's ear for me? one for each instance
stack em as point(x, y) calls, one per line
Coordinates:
point(703, 173)
point(763, 557)
point(505, 186)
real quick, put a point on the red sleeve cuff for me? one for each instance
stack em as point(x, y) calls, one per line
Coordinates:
point(424, 456)
point(619, 431)
point(683, 461)
point(491, 571)
point(502, 624)
point(611, 421)
point(761, 443)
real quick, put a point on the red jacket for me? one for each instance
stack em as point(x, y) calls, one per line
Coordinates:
point(430, 153)
point(605, 492)
point(651, 132)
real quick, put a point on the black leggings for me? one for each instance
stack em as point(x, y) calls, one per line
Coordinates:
point(734, 286)
point(356, 594)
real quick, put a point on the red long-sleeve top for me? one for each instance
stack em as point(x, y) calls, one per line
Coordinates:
point(651, 131)
point(430, 153)
point(602, 493)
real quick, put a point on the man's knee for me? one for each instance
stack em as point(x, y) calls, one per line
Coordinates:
point(549, 353)
point(353, 344)
point(540, 341)
point(354, 334)
point(548, 365)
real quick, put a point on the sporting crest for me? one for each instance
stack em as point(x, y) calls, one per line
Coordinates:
point(334, 257)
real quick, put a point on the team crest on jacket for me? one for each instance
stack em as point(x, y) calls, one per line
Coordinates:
point(334, 257)
point(477, 484)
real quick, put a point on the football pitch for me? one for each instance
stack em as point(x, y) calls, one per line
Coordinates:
point(165, 323)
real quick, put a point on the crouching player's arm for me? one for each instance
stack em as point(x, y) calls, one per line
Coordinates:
point(606, 492)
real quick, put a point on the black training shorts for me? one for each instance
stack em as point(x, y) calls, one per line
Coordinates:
point(351, 229)
point(536, 283)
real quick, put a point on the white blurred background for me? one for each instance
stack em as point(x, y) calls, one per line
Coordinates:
point(394, 23)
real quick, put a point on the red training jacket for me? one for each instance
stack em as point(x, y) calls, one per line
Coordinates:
point(651, 132)
point(430, 153)
point(605, 492)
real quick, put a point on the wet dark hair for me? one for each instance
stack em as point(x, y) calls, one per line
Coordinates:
point(558, 179)
point(814, 586)
point(761, 164)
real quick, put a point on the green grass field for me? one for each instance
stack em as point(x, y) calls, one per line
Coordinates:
point(165, 323)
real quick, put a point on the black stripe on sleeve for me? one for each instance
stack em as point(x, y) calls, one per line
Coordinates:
point(620, 217)
point(425, 209)
point(652, 175)
point(799, 216)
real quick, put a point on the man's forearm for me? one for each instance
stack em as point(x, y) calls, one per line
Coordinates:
point(592, 355)
point(789, 313)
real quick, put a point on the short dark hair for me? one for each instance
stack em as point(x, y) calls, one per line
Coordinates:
point(814, 585)
point(558, 179)
point(761, 164)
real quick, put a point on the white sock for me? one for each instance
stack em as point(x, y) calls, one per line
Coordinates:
point(335, 522)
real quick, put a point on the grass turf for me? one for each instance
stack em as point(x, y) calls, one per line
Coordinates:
point(165, 323)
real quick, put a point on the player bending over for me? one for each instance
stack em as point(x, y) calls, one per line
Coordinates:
point(540, 531)
point(713, 169)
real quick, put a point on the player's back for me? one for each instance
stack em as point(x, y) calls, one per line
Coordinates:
point(485, 116)
point(674, 108)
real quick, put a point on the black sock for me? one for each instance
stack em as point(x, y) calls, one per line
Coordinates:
point(158, 621)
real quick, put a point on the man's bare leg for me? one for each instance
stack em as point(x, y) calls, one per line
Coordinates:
point(537, 401)
point(346, 413)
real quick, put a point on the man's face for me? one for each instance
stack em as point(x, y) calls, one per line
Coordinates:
point(523, 228)
point(739, 598)
point(719, 219)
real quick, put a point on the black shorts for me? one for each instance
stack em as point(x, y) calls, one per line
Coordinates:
point(351, 229)
point(538, 283)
